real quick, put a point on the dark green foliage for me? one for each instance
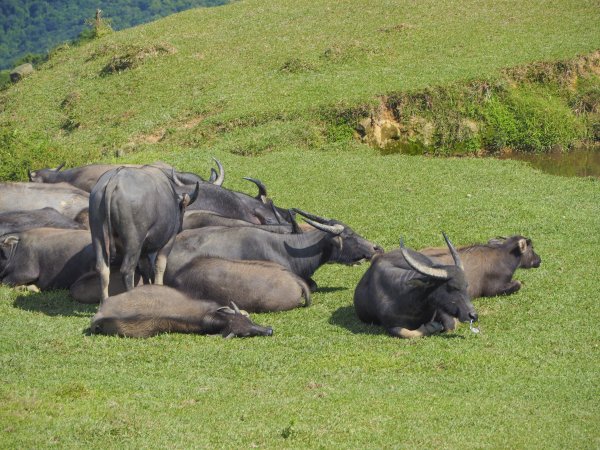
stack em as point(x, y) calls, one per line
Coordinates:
point(36, 26)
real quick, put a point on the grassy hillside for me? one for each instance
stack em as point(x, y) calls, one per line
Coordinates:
point(257, 76)
point(325, 380)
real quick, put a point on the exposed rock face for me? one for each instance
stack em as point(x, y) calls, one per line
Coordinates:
point(20, 72)
point(383, 129)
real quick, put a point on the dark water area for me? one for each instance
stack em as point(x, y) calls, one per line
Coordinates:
point(583, 161)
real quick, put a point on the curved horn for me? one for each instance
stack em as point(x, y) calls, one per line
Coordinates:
point(278, 216)
point(262, 189)
point(235, 308)
point(176, 179)
point(455, 255)
point(433, 272)
point(311, 216)
point(221, 177)
point(59, 167)
point(194, 195)
point(333, 229)
point(213, 176)
point(295, 228)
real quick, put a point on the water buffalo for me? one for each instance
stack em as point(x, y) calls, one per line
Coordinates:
point(330, 242)
point(63, 197)
point(200, 219)
point(230, 204)
point(16, 221)
point(136, 213)
point(47, 257)
point(87, 288)
point(489, 268)
point(85, 177)
point(411, 296)
point(255, 286)
point(149, 310)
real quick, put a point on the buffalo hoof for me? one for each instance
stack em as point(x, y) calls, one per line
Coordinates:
point(29, 288)
point(433, 327)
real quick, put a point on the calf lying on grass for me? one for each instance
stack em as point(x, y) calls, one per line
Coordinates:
point(153, 309)
point(256, 286)
point(489, 268)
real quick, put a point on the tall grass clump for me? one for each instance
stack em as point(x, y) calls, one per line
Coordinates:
point(530, 120)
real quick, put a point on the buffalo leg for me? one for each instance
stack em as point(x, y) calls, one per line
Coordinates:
point(426, 329)
point(128, 266)
point(102, 268)
point(146, 269)
point(160, 264)
point(512, 287)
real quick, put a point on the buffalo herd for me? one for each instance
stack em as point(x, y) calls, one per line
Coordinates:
point(167, 251)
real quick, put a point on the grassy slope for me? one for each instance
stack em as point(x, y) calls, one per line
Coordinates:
point(530, 379)
point(253, 64)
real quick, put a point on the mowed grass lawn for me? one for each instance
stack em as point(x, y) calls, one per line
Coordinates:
point(528, 380)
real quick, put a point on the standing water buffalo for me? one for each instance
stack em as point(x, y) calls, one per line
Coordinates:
point(135, 212)
point(489, 268)
point(411, 296)
point(63, 197)
point(149, 310)
point(47, 257)
point(255, 286)
point(16, 221)
point(330, 242)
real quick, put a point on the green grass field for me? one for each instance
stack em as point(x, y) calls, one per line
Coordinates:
point(258, 76)
point(528, 380)
point(274, 80)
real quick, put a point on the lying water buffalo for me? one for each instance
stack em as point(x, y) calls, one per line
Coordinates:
point(255, 286)
point(411, 296)
point(149, 310)
point(50, 258)
point(88, 289)
point(135, 212)
point(66, 199)
point(17, 221)
point(85, 177)
point(489, 268)
point(330, 242)
point(201, 219)
point(232, 204)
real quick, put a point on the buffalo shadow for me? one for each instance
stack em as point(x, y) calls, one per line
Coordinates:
point(345, 317)
point(54, 303)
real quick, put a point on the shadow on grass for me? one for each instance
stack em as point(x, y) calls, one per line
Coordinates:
point(326, 290)
point(346, 318)
point(54, 303)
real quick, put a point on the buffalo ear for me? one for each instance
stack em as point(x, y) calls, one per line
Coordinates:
point(226, 310)
point(184, 200)
point(10, 240)
point(338, 242)
point(522, 245)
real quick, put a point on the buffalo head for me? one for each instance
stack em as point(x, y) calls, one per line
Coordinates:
point(44, 175)
point(238, 324)
point(448, 286)
point(349, 247)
